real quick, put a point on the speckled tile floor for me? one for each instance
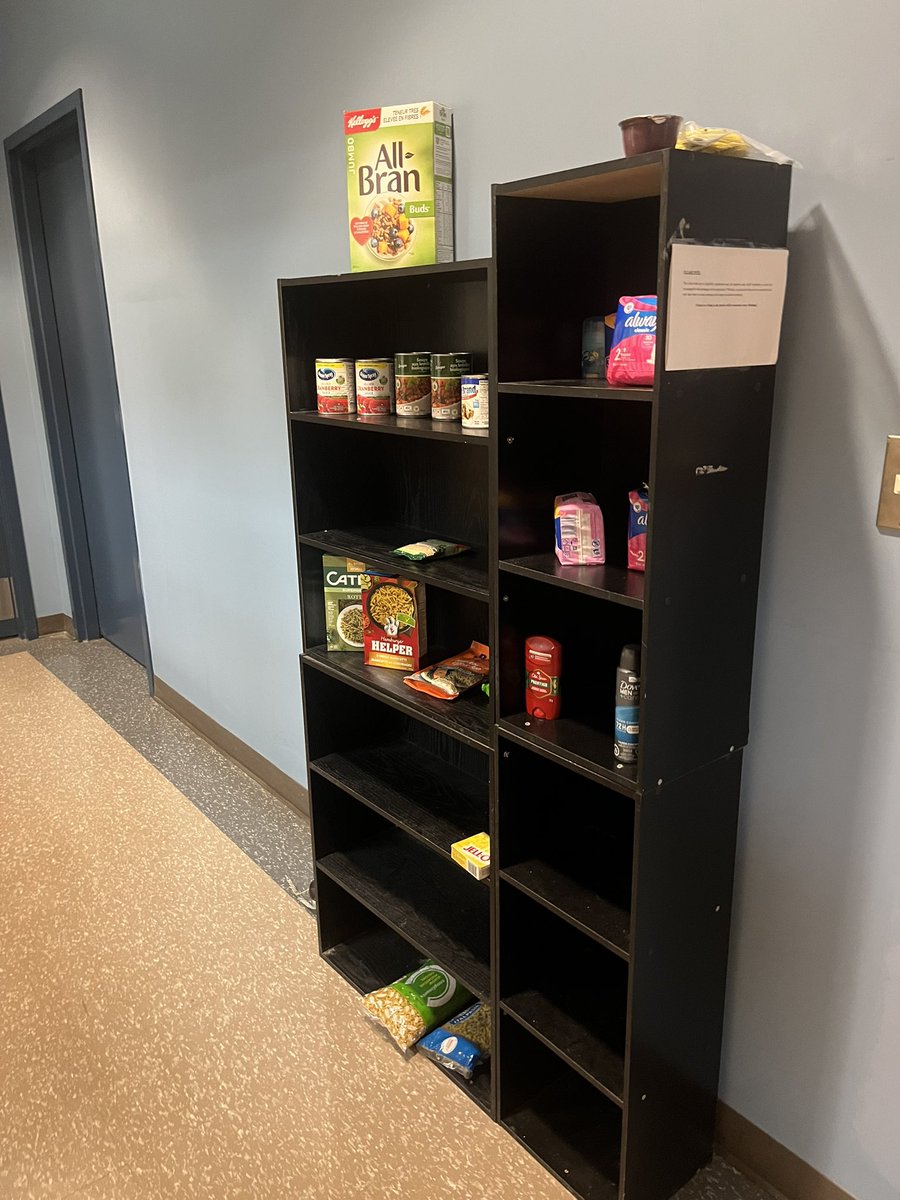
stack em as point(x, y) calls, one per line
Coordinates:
point(270, 831)
point(166, 1026)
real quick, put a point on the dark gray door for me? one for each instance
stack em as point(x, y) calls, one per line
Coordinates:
point(8, 623)
point(16, 600)
point(79, 310)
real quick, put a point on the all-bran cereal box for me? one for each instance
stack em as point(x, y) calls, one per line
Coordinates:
point(400, 185)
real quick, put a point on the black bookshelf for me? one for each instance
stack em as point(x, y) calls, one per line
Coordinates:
point(601, 936)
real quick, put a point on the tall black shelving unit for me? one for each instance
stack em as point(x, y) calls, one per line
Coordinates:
point(601, 937)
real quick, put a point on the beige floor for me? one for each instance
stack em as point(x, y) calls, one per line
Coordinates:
point(166, 1028)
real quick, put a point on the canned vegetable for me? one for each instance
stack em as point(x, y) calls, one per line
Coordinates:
point(446, 373)
point(412, 380)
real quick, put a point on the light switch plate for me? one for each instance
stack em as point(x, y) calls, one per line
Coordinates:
point(889, 504)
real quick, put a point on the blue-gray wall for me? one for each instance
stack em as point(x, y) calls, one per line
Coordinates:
point(215, 136)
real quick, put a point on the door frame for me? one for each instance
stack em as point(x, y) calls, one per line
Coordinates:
point(14, 538)
point(64, 117)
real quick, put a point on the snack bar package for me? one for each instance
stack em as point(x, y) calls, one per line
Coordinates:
point(632, 359)
point(461, 1044)
point(418, 1002)
point(429, 548)
point(446, 680)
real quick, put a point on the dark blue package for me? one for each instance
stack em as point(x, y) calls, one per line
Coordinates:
point(461, 1043)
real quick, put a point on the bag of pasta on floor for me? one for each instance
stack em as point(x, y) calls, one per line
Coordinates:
point(417, 1003)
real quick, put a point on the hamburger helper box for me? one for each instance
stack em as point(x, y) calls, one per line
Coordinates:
point(400, 185)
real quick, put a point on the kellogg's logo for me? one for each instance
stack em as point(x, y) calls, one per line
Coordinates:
point(363, 121)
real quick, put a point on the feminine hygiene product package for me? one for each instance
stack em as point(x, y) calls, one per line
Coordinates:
point(578, 529)
point(632, 359)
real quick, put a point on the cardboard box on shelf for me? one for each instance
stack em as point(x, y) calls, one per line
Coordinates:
point(400, 185)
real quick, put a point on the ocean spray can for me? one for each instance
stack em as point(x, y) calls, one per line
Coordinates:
point(628, 704)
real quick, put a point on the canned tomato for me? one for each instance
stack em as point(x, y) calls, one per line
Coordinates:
point(335, 385)
point(412, 381)
point(446, 373)
point(475, 402)
point(374, 387)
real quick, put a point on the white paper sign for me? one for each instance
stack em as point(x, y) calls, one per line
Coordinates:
point(725, 306)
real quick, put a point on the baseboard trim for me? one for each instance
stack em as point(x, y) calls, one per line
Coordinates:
point(248, 759)
point(768, 1163)
point(56, 623)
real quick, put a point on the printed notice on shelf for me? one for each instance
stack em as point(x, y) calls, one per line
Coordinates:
point(725, 306)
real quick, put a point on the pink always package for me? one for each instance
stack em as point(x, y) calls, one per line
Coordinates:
point(632, 358)
point(638, 512)
point(578, 523)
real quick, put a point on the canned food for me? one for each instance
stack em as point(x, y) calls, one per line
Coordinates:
point(446, 373)
point(475, 401)
point(374, 387)
point(335, 385)
point(412, 380)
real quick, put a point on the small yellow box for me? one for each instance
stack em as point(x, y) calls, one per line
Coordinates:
point(473, 853)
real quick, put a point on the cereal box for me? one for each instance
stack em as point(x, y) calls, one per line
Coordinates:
point(393, 622)
point(343, 608)
point(400, 185)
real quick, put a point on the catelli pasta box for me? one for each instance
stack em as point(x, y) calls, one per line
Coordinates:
point(400, 185)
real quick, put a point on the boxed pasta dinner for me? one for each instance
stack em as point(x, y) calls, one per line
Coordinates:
point(400, 185)
point(393, 622)
point(343, 610)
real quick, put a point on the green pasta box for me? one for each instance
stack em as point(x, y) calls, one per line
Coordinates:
point(343, 607)
point(400, 185)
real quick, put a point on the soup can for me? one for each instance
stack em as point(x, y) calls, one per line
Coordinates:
point(447, 371)
point(374, 387)
point(335, 385)
point(412, 383)
point(475, 401)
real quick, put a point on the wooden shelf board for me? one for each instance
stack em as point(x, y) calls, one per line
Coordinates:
point(463, 573)
point(573, 1141)
point(600, 183)
point(601, 920)
point(575, 1040)
point(465, 269)
point(591, 389)
point(401, 891)
point(418, 792)
point(574, 745)
point(607, 582)
point(419, 427)
point(372, 959)
point(466, 719)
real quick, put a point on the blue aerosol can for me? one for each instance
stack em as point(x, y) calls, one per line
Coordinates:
point(628, 704)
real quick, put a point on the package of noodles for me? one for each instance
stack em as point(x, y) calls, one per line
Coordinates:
point(448, 679)
point(461, 1043)
point(415, 1004)
point(709, 140)
point(393, 622)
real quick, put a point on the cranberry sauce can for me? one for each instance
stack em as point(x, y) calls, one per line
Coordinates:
point(335, 385)
point(374, 386)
